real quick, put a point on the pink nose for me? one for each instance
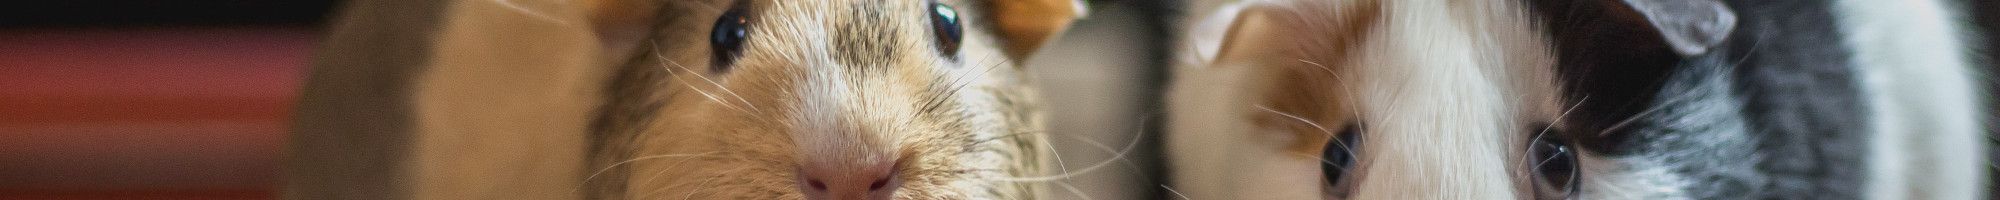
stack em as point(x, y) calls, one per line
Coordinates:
point(849, 181)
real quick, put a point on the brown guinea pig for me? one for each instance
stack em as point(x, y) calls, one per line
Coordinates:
point(682, 99)
point(759, 99)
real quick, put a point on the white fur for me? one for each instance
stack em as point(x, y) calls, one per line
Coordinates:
point(1928, 141)
point(1216, 155)
point(1435, 93)
point(1630, 178)
point(1441, 85)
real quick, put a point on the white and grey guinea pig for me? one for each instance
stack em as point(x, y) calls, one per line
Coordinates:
point(1577, 99)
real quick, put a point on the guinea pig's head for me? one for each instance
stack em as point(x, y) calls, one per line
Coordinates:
point(838, 99)
point(1425, 99)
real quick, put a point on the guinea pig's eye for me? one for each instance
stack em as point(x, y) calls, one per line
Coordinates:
point(726, 39)
point(1555, 164)
point(944, 24)
point(1340, 154)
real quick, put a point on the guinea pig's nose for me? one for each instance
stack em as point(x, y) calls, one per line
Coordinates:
point(849, 180)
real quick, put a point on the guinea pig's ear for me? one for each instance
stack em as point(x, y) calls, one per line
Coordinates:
point(1690, 27)
point(1025, 24)
point(1231, 35)
point(1236, 56)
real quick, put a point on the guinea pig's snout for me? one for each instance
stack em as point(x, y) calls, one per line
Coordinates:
point(855, 180)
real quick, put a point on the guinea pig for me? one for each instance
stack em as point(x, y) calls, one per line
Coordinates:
point(1576, 99)
point(842, 99)
point(679, 99)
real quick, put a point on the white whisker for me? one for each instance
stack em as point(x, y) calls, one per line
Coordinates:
point(704, 184)
point(725, 89)
point(1345, 89)
point(1120, 155)
point(593, 175)
point(1545, 130)
point(1073, 190)
point(1175, 192)
point(1322, 129)
point(1642, 114)
point(1060, 164)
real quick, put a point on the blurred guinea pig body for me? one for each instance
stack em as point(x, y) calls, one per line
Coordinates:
point(1589, 99)
point(755, 99)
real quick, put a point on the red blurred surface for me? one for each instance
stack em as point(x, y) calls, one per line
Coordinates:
point(147, 113)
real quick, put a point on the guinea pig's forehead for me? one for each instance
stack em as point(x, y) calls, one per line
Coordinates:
point(841, 11)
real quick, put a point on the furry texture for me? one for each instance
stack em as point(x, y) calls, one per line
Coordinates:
point(1774, 112)
point(1919, 83)
point(1805, 99)
point(1440, 85)
point(1802, 99)
point(1694, 144)
point(822, 85)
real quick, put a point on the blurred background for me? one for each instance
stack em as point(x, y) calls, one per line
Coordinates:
point(149, 99)
point(191, 99)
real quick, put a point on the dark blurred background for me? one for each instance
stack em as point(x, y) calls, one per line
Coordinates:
point(190, 99)
point(149, 99)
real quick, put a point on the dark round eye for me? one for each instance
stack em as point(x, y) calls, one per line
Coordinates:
point(726, 39)
point(1555, 163)
point(944, 24)
point(1340, 154)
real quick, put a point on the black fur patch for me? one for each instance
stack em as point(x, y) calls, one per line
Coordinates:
point(1802, 99)
point(1786, 66)
point(1613, 67)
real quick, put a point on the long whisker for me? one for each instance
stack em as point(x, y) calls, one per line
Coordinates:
point(593, 175)
point(1121, 154)
point(997, 138)
point(1322, 129)
point(1060, 164)
point(1642, 114)
point(1345, 87)
point(1073, 190)
point(704, 184)
point(958, 83)
point(1176, 193)
point(536, 13)
point(1560, 118)
point(1537, 140)
point(1676, 100)
point(725, 89)
point(691, 86)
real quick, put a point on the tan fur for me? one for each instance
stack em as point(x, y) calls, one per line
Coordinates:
point(416, 100)
point(604, 99)
point(822, 82)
